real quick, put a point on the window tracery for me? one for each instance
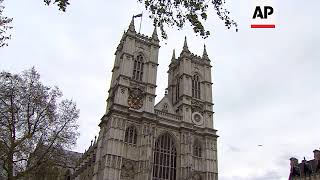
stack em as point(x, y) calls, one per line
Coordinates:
point(197, 150)
point(196, 86)
point(165, 155)
point(138, 68)
point(131, 135)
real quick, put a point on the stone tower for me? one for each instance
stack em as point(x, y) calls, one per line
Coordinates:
point(172, 140)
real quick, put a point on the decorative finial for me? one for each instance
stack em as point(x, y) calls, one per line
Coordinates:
point(205, 54)
point(174, 54)
point(155, 34)
point(185, 45)
point(95, 139)
point(91, 143)
point(166, 91)
point(131, 26)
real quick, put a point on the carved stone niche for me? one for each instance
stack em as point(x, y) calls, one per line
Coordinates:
point(127, 169)
point(195, 176)
point(197, 106)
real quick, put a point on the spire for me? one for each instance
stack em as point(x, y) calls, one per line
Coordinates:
point(204, 55)
point(131, 26)
point(155, 34)
point(185, 45)
point(173, 54)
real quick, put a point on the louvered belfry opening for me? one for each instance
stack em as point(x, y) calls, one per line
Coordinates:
point(138, 68)
point(131, 135)
point(178, 88)
point(164, 158)
point(196, 86)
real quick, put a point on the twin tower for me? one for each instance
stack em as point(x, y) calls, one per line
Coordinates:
point(138, 140)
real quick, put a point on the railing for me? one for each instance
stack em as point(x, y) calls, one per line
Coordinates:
point(168, 115)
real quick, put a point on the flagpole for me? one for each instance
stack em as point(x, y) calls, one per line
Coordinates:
point(140, 21)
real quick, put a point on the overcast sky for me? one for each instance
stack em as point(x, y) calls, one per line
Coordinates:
point(266, 81)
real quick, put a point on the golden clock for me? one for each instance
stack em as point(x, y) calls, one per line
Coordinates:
point(135, 99)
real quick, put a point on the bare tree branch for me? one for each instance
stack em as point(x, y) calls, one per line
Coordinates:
point(35, 124)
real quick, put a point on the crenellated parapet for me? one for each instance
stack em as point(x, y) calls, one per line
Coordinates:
point(307, 169)
point(85, 164)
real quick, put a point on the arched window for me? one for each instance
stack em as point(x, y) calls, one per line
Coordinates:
point(131, 135)
point(197, 149)
point(138, 68)
point(196, 86)
point(164, 158)
point(165, 107)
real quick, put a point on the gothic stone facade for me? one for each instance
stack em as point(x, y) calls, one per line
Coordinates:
point(138, 140)
point(306, 170)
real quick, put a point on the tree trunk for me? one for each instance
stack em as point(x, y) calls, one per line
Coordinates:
point(10, 166)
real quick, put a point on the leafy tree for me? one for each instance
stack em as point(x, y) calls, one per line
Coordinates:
point(4, 26)
point(175, 13)
point(36, 125)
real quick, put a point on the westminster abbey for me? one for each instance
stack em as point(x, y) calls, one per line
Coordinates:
point(174, 139)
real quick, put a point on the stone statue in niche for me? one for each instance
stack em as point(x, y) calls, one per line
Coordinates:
point(127, 170)
point(195, 176)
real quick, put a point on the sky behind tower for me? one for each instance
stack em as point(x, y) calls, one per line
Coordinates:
point(265, 81)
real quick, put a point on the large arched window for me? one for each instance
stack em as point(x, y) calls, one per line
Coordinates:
point(196, 86)
point(138, 68)
point(164, 158)
point(131, 135)
point(197, 149)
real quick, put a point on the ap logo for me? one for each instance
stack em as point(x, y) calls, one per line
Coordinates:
point(263, 14)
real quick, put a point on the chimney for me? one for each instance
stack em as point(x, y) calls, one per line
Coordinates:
point(316, 154)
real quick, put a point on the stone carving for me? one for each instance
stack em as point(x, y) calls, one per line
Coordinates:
point(135, 99)
point(127, 170)
point(197, 106)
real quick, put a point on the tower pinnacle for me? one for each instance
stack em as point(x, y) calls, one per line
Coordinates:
point(205, 54)
point(185, 45)
point(174, 54)
point(155, 34)
point(131, 26)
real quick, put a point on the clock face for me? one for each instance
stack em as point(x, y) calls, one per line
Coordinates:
point(197, 118)
point(135, 99)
